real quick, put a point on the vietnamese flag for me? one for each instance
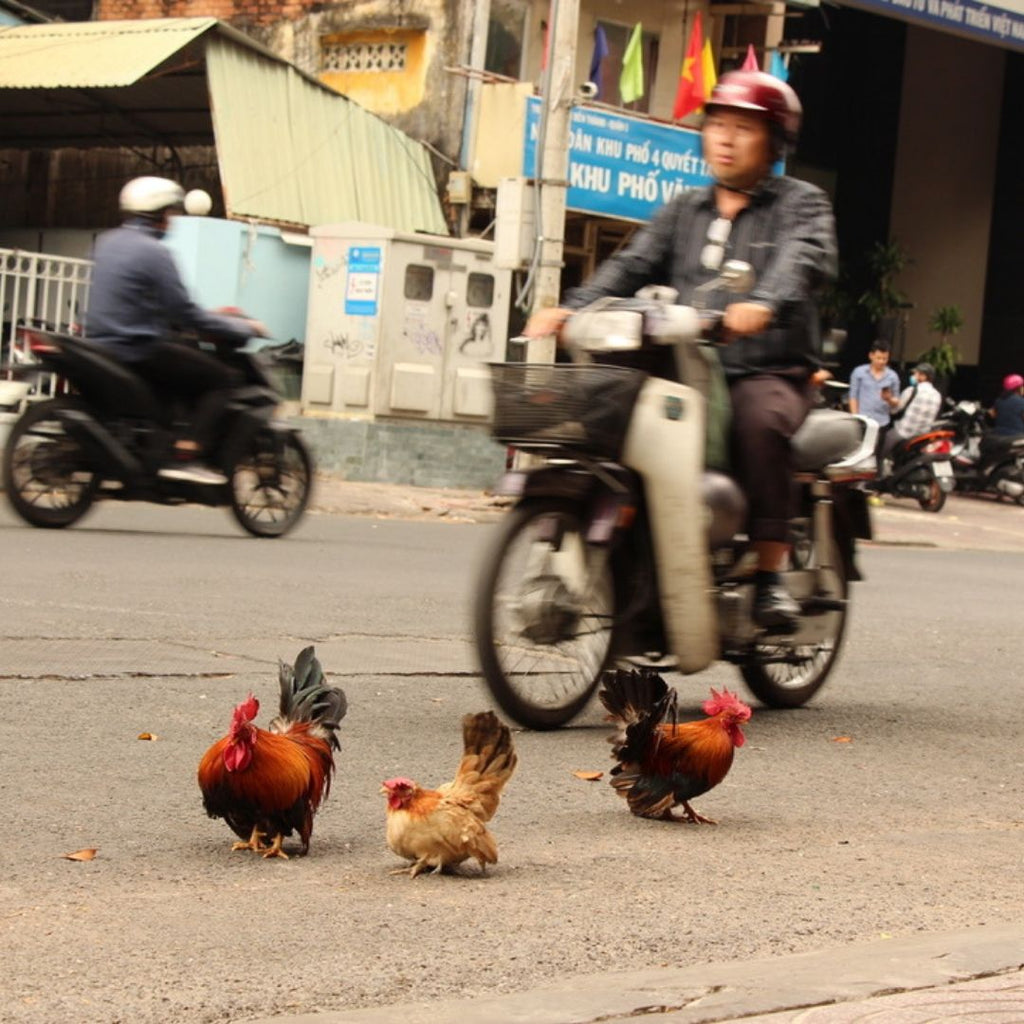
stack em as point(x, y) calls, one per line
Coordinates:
point(690, 92)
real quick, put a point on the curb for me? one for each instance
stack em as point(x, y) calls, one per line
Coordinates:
point(726, 991)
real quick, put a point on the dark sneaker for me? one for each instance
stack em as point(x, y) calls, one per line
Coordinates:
point(193, 473)
point(775, 609)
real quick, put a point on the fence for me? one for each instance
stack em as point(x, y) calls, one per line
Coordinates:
point(40, 290)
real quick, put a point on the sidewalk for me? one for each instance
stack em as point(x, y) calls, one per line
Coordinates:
point(965, 522)
point(971, 977)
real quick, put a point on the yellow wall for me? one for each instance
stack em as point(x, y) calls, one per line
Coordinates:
point(385, 92)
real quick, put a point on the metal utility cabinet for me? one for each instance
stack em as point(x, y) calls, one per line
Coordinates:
point(401, 325)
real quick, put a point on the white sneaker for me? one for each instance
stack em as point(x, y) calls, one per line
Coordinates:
point(193, 473)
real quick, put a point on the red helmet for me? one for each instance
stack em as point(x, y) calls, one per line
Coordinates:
point(759, 91)
point(1013, 381)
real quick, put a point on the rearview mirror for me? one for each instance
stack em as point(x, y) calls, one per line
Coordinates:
point(737, 275)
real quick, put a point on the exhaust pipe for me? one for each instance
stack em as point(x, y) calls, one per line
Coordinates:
point(1011, 487)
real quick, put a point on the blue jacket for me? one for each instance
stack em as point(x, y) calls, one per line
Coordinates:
point(137, 295)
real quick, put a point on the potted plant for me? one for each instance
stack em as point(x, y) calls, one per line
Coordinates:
point(945, 321)
point(882, 300)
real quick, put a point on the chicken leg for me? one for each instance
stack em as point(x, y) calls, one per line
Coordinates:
point(274, 850)
point(253, 842)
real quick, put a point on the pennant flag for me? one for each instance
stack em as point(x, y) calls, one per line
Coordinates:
point(777, 66)
point(750, 61)
point(599, 54)
point(631, 81)
point(690, 93)
point(707, 65)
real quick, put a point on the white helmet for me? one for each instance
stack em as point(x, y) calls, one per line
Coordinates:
point(151, 195)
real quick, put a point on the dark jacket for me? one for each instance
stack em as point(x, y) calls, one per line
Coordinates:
point(787, 234)
point(137, 296)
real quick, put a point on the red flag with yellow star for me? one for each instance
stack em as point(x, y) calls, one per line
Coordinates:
point(690, 93)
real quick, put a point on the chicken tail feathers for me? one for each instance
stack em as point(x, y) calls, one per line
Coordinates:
point(488, 760)
point(638, 702)
point(628, 695)
point(306, 697)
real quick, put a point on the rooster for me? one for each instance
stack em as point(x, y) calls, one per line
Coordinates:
point(663, 763)
point(270, 783)
point(437, 828)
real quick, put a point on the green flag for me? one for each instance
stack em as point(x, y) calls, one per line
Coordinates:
point(631, 81)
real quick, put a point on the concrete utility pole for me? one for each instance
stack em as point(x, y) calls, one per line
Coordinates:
point(556, 100)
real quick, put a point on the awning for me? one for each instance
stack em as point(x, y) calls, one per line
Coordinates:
point(92, 54)
point(290, 149)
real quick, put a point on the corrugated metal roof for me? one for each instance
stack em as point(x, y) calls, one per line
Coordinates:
point(91, 53)
point(291, 150)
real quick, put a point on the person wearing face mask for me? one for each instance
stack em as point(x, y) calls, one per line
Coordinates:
point(782, 227)
point(915, 410)
point(136, 301)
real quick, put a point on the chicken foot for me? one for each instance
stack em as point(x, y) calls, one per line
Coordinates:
point(253, 842)
point(274, 850)
point(694, 818)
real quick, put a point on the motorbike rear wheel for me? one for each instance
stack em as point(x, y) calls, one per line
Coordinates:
point(46, 470)
point(783, 675)
point(544, 614)
point(270, 482)
point(935, 498)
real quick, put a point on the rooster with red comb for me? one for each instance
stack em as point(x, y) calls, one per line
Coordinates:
point(664, 763)
point(269, 783)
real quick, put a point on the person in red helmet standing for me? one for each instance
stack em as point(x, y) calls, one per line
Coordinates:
point(784, 228)
point(1008, 410)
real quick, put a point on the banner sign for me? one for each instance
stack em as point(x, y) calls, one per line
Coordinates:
point(1003, 26)
point(622, 166)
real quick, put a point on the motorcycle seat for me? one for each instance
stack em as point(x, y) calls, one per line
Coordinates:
point(825, 437)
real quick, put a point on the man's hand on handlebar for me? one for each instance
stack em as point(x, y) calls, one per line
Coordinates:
point(546, 321)
point(745, 318)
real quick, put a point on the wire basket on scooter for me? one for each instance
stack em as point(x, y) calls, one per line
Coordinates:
point(582, 408)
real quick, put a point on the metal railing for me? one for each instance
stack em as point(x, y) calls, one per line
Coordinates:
point(40, 290)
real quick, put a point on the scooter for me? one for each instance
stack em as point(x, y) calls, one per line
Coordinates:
point(109, 437)
point(624, 545)
point(920, 468)
point(984, 462)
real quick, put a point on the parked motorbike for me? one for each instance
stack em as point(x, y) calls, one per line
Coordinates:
point(625, 546)
point(920, 468)
point(984, 462)
point(110, 435)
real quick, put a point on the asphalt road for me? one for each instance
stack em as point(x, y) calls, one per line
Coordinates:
point(892, 805)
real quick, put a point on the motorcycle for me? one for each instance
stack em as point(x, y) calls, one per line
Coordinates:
point(920, 468)
point(111, 434)
point(984, 462)
point(624, 545)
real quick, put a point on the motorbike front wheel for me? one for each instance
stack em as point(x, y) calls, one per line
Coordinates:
point(784, 674)
point(544, 614)
point(270, 481)
point(46, 471)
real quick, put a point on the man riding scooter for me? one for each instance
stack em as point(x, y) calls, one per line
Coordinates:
point(784, 228)
point(136, 300)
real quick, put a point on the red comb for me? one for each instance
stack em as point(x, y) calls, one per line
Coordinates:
point(725, 701)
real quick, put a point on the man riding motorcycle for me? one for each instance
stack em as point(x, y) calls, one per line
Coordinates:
point(784, 228)
point(137, 298)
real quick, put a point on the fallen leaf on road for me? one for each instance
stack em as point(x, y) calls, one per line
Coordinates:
point(842, 739)
point(588, 776)
point(147, 736)
point(87, 854)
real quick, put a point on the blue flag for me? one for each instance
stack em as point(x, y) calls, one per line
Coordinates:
point(777, 66)
point(599, 54)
